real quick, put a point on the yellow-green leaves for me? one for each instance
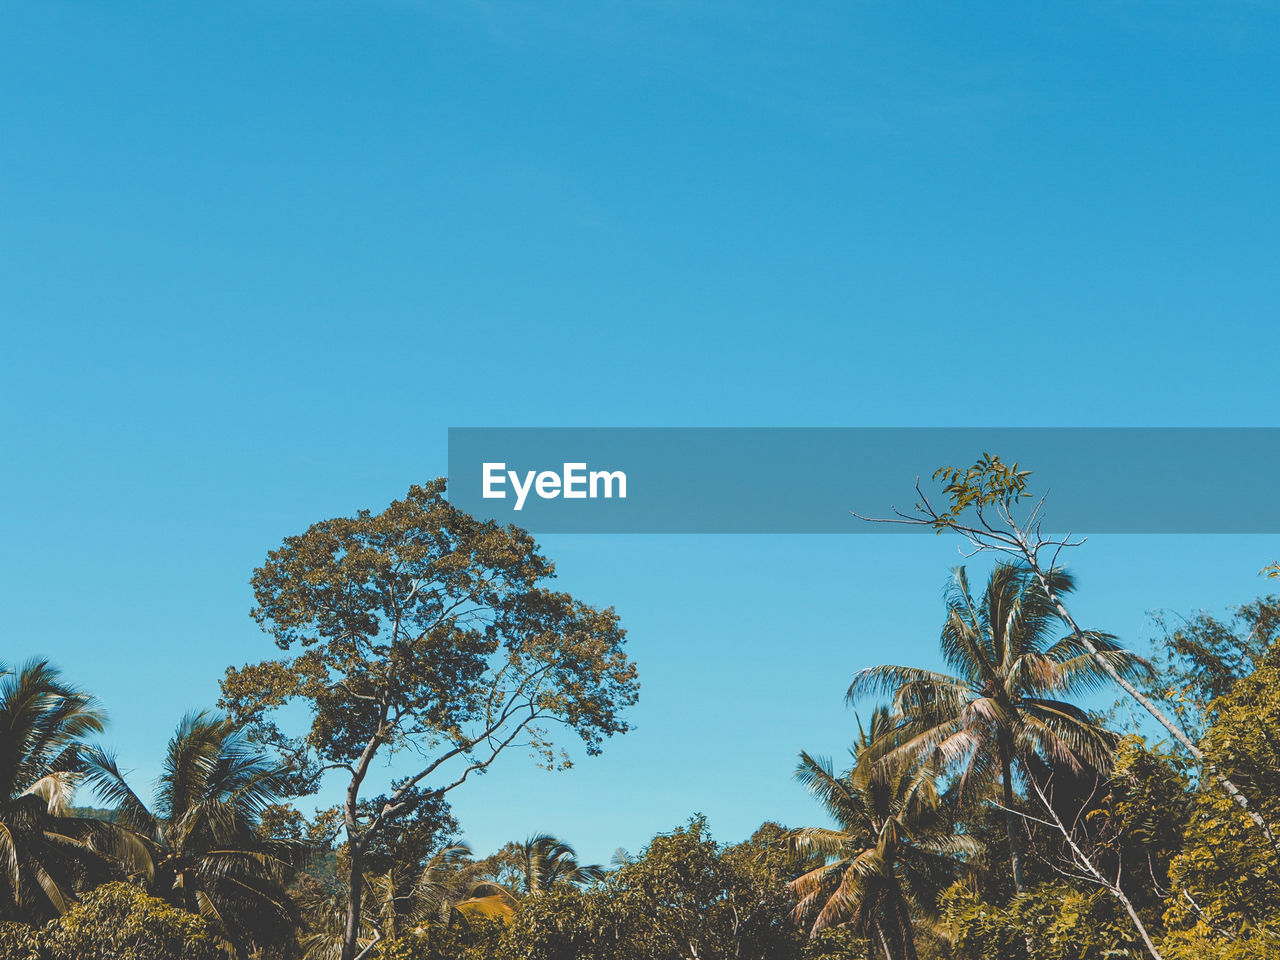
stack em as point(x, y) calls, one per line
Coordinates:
point(989, 482)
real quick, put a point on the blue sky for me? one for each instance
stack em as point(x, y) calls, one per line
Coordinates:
point(256, 258)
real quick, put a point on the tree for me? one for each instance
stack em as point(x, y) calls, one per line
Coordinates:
point(542, 862)
point(427, 634)
point(201, 847)
point(118, 921)
point(1002, 712)
point(1050, 921)
point(981, 500)
point(45, 852)
point(892, 851)
point(1223, 884)
point(1082, 855)
point(1200, 658)
point(684, 897)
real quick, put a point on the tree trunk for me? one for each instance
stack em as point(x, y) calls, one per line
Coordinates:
point(1011, 818)
point(1147, 704)
point(884, 942)
point(908, 932)
point(351, 935)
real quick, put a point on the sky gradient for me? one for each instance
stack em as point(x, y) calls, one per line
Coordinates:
point(255, 259)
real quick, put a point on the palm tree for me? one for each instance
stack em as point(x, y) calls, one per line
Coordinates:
point(447, 889)
point(203, 851)
point(545, 861)
point(1001, 715)
point(324, 927)
point(892, 851)
point(45, 852)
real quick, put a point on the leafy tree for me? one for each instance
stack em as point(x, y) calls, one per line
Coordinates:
point(1052, 921)
point(892, 852)
point(118, 921)
point(404, 900)
point(448, 891)
point(1200, 659)
point(1223, 883)
point(1190, 945)
point(692, 897)
point(476, 941)
point(18, 941)
point(422, 632)
point(324, 920)
point(565, 924)
point(1001, 715)
point(1145, 809)
point(685, 896)
point(201, 847)
point(836, 943)
point(981, 500)
point(46, 852)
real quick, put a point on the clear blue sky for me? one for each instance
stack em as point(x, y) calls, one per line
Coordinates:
point(255, 258)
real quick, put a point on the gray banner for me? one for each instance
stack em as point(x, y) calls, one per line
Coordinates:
point(808, 480)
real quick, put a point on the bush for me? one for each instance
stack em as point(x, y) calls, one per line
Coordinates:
point(117, 921)
point(470, 941)
point(836, 943)
point(18, 942)
point(1196, 946)
point(1059, 923)
point(1227, 877)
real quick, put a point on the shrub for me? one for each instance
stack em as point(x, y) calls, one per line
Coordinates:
point(1056, 921)
point(117, 921)
point(18, 942)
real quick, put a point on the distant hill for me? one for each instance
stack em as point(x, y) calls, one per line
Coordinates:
point(96, 813)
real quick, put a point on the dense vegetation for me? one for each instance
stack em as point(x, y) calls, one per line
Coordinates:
point(985, 810)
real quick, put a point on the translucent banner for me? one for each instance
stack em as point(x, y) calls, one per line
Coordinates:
point(810, 480)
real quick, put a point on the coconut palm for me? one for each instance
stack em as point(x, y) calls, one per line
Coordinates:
point(545, 861)
point(203, 850)
point(324, 928)
point(892, 850)
point(1002, 714)
point(45, 852)
point(446, 890)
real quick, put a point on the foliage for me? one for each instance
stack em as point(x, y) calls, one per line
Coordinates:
point(424, 633)
point(1224, 882)
point(1146, 806)
point(1002, 714)
point(685, 896)
point(476, 941)
point(118, 921)
point(199, 846)
point(541, 863)
point(1191, 945)
point(988, 483)
point(46, 852)
point(436, 900)
point(18, 941)
point(564, 924)
point(893, 849)
point(1051, 921)
point(422, 629)
point(836, 943)
point(1201, 658)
